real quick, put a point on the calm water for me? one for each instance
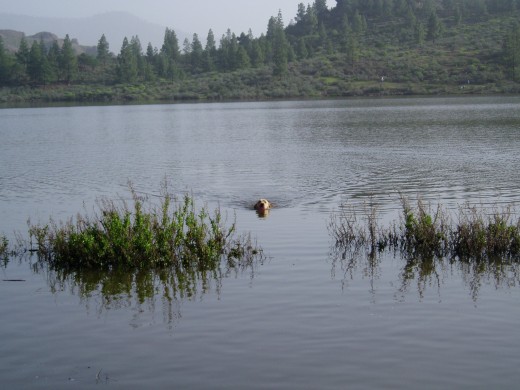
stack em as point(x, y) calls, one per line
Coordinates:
point(305, 317)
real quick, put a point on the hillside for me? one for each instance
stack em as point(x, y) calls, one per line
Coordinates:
point(12, 40)
point(379, 47)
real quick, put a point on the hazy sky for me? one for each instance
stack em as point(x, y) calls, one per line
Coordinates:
point(187, 15)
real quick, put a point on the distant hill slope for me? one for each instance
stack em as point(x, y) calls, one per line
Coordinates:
point(12, 39)
point(88, 30)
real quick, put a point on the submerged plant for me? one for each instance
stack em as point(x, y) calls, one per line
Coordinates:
point(172, 234)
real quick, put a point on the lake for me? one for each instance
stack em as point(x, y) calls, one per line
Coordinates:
point(306, 316)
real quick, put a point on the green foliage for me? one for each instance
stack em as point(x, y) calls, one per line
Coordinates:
point(103, 52)
point(424, 233)
point(173, 234)
point(422, 47)
point(512, 51)
point(478, 234)
point(68, 61)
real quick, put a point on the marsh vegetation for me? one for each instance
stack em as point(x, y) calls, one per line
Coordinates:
point(172, 234)
point(424, 231)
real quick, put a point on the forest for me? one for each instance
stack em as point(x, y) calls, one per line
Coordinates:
point(357, 47)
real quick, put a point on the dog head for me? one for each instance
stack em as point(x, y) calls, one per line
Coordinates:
point(262, 206)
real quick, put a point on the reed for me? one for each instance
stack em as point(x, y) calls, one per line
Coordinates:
point(174, 233)
point(424, 231)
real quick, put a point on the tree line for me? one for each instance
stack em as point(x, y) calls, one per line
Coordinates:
point(315, 30)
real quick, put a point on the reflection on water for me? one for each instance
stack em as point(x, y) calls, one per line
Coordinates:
point(164, 290)
point(420, 273)
point(143, 289)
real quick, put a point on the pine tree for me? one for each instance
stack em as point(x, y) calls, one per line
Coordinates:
point(257, 54)
point(103, 53)
point(210, 53)
point(197, 55)
point(137, 52)
point(170, 47)
point(53, 60)
point(35, 67)
point(69, 62)
point(127, 64)
point(170, 55)
point(5, 64)
point(22, 55)
point(280, 45)
point(434, 27)
point(512, 51)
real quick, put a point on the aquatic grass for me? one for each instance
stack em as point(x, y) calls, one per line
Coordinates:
point(427, 232)
point(4, 248)
point(486, 233)
point(174, 233)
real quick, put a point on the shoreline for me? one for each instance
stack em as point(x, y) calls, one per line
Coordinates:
point(142, 94)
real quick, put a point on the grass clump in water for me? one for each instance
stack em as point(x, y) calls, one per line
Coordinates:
point(4, 245)
point(174, 233)
point(421, 232)
point(479, 234)
point(424, 232)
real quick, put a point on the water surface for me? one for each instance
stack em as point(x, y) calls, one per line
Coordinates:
point(306, 317)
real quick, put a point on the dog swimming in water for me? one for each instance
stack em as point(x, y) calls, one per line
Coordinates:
point(262, 206)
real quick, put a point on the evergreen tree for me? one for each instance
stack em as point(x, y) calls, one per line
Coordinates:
point(137, 52)
point(512, 51)
point(22, 55)
point(35, 66)
point(228, 52)
point(170, 47)
point(434, 27)
point(103, 53)
point(170, 55)
point(358, 24)
point(197, 55)
point(127, 64)
point(210, 53)
point(280, 45)
point(351, 49)
point(257, 54)
point(151, 61)
point(419, 32)
point(5, 64)
point(211, 45)
point(301, 50)
point(242, 59)
point(68, 63)
point(322, 12)
point(53, 61)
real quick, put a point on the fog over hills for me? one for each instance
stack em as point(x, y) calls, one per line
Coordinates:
point(88, 30)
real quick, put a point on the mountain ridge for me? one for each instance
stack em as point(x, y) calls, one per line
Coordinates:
point(116, 25)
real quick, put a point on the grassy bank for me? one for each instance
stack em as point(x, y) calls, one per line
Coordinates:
point(238, 86)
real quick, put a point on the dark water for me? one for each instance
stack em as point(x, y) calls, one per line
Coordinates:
point(305, 317)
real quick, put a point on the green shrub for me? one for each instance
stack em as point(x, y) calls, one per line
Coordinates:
point(174, 233)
